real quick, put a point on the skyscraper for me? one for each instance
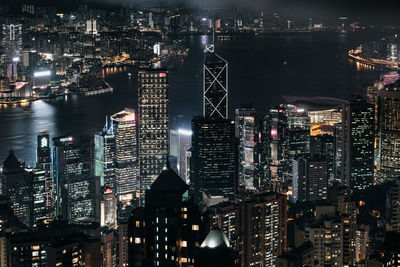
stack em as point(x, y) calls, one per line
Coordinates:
point(215, 85)
point(104, 156)
point(180, 142)
point(43, 154)
point(12, 49)
point(389, 124)
point(153, 125)
point(214, 157)
point(358, 144)
point(126, 164)
point(74, 180)
point(17, 186)
point(42, 194)
point(245, 127)
point(169, 229)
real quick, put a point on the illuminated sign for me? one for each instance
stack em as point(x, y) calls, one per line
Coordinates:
point(44, 142)
point(42, 73)
point(274, 132)
point(162, 75)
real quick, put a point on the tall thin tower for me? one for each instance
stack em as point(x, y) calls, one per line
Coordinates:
point(215, 84)
point(153, 126)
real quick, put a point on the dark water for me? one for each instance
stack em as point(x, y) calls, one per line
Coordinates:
point(317, 65)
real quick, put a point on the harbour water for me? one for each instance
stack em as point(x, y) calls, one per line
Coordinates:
point(262, 69)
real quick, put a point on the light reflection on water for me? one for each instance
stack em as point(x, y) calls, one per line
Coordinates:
point(256, 75)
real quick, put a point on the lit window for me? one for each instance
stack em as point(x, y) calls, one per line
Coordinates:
point(184, 243)
point(195, 227)
point(137, 240)
point(137, 223)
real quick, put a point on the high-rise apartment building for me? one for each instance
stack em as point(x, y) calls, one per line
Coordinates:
point(153, 125)
point(358, 144)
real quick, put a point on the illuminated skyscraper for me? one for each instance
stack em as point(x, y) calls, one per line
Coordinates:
point(126, 164)
point(214, 157)
point(108, 210)
point(153, 125)
point(104, 156)
point(245, 124)
point(358, 144)
point(74, 180)
point(12, 48)
point(180, 142)
point(43, 154)
point(215, 85)
point(389, 124)
point(42, 194)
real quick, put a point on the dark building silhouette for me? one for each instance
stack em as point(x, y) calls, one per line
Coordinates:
point(169, 229)
point(214, 157)
point(18, 187)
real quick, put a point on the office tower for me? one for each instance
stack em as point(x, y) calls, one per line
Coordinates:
point(12, 49)
point(18, 187)
point(245, 128)
point(262, 158)
point(74, 180)
point(299, 179)
point(180, 143)
point(298, 127)
point(126, 164)
point(389, 125)
point(215, 85)
point(337, 153)
point(310, 179)
point(169, 229)
point(153, 125)
point(123, 242)
point(91, 44)
point(361, 243)
point(278, 166)
point(42, 195)
point(108, 210)
point(43, 154)
point(322, 146)
point(214, 157)
point(317, 179)
point(358, 144)
point(104, 156)
point(216, 251)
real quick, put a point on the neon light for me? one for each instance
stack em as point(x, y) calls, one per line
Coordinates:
point(274, 132)
point(185, 132)
point(42, 73)
point(162, 75)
